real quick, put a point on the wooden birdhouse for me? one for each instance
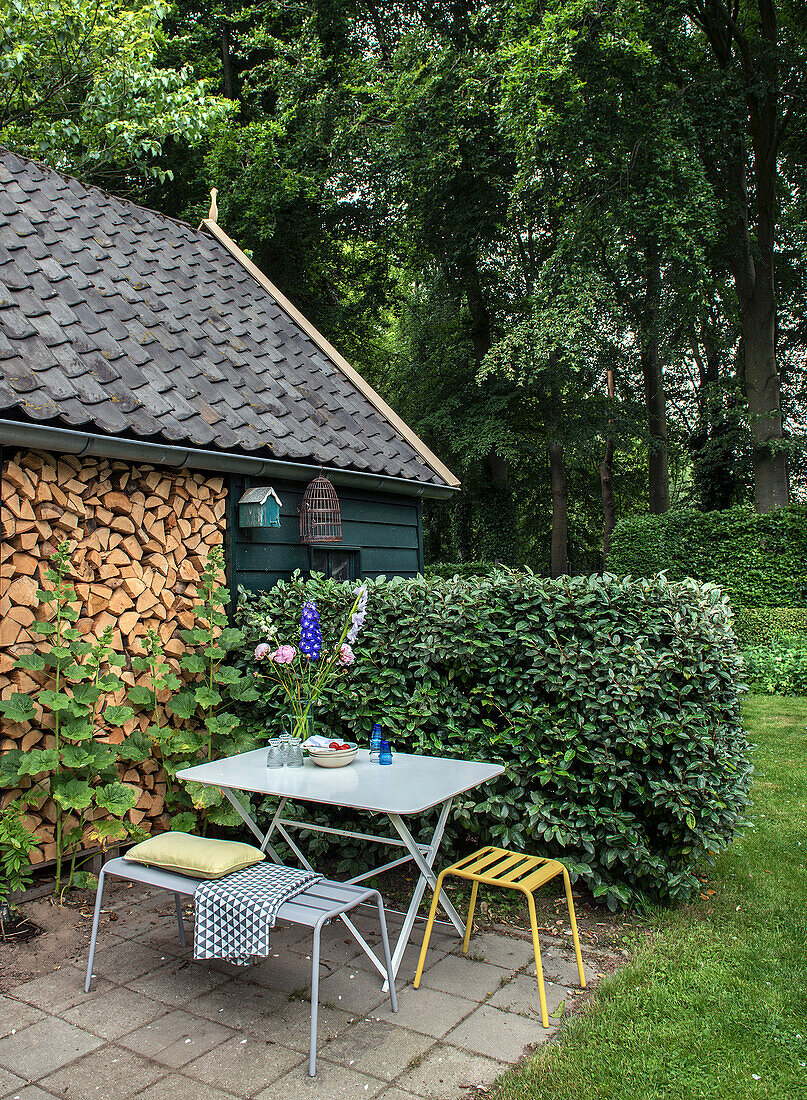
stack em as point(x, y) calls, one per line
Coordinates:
point(320, 518)
point(259, 508)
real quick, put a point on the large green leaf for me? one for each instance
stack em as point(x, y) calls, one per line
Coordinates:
point(18, 707)
point(116, 798)
point(72, 794)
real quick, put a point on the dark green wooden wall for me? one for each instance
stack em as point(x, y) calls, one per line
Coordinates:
point(385, 528)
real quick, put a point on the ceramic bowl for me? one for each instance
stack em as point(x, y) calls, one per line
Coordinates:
point(334, 758)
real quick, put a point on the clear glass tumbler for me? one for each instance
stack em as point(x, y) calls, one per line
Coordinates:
point(294, 756)
point(275, 754)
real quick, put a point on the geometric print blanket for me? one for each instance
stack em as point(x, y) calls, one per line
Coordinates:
point(234, 913)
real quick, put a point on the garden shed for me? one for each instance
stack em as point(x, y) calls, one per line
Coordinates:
point(150, 377)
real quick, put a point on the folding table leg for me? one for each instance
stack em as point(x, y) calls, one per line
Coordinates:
point(99, 897)
point(425, 863)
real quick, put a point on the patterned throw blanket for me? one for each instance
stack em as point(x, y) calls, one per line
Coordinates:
point(234, 914)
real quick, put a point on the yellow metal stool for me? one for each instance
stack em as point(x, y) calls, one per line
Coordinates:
point(513, 871)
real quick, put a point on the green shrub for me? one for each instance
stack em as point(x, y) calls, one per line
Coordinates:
point(778, 669)
point(613, 704)
point(760, 561)
point(759, 626)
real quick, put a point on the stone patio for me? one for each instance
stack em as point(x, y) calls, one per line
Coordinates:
point(159, 1026)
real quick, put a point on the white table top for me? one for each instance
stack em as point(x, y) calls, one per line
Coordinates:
point(410, 785)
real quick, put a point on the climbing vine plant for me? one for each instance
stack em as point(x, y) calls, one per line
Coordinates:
point(78, 770)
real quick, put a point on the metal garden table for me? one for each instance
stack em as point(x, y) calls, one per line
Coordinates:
point(410, 786)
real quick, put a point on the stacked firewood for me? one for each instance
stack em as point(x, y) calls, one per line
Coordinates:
point(140, 537)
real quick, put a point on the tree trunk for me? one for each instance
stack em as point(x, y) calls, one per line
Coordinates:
point(608, 502)
point(658, 470)
point(751, 257)
point(227, 62)
point(560, 510)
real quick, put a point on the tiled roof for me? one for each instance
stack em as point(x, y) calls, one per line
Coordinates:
point(117, 320)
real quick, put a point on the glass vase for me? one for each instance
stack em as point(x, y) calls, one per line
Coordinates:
point(298, 725)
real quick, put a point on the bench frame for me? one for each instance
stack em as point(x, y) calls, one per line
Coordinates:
point(313, 908)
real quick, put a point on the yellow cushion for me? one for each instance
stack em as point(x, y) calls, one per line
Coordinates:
point(195, 855)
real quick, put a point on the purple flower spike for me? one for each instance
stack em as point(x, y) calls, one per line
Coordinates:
point(310, 632)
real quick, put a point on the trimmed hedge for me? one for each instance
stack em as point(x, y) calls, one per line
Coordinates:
point(759, 626)
point(613, 704)
point(761, 561)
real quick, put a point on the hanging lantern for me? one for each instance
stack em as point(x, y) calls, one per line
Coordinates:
point(320, 519)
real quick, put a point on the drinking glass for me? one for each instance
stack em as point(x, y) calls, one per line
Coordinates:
point(275, 754)
point(294, 757)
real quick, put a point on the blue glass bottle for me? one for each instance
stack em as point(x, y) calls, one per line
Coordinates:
point(385, 753)
point(375, 742)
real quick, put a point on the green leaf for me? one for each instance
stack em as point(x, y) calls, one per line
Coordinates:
point(72, 794)
point(139, 696)
point(18, 707)
point(55, 700)
point(117, 716)
point(183, 705)
point(116, 798)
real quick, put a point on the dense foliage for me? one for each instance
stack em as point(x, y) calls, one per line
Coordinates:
point(779, 668)
point(612, 704)
point(756, 626)
point(760, 560)
point(565, 238)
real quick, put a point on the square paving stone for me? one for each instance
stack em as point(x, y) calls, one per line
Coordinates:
point(395, 1093)
point(447, 1073)
point(353, 989)
point(377, 1048)
point(30, 1092)
point(475, 981)
point(241, 1005)
point(521, 995)
point(288, 974)
point(177, 982)
point(409, 962)
point(505, 951)
point(430, 1011)
point(10, 1081)
point(114, 1013)
point(108, 1074)
point(332, 1082)
point(59, 990)
point(176, 1039)
point(561, 967)
point(121, 963)
point(244, 1065)
point(44, 1046)
point(293, 1025)
point(14, 1015)
point(177, 1087)
point(497, 1034)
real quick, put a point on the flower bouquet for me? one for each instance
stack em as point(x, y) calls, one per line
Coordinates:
point(304, 671)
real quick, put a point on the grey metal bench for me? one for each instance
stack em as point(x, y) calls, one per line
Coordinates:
point(313, 908)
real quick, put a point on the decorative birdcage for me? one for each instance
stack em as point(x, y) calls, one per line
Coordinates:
point(320, 518)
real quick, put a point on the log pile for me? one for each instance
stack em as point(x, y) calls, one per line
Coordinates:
point(140, 536)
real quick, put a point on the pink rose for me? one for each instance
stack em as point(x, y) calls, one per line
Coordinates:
point(346, 655)
point(261, 651)
point(285, 655)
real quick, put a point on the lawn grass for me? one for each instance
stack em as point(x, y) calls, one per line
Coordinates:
point(714, 1001)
